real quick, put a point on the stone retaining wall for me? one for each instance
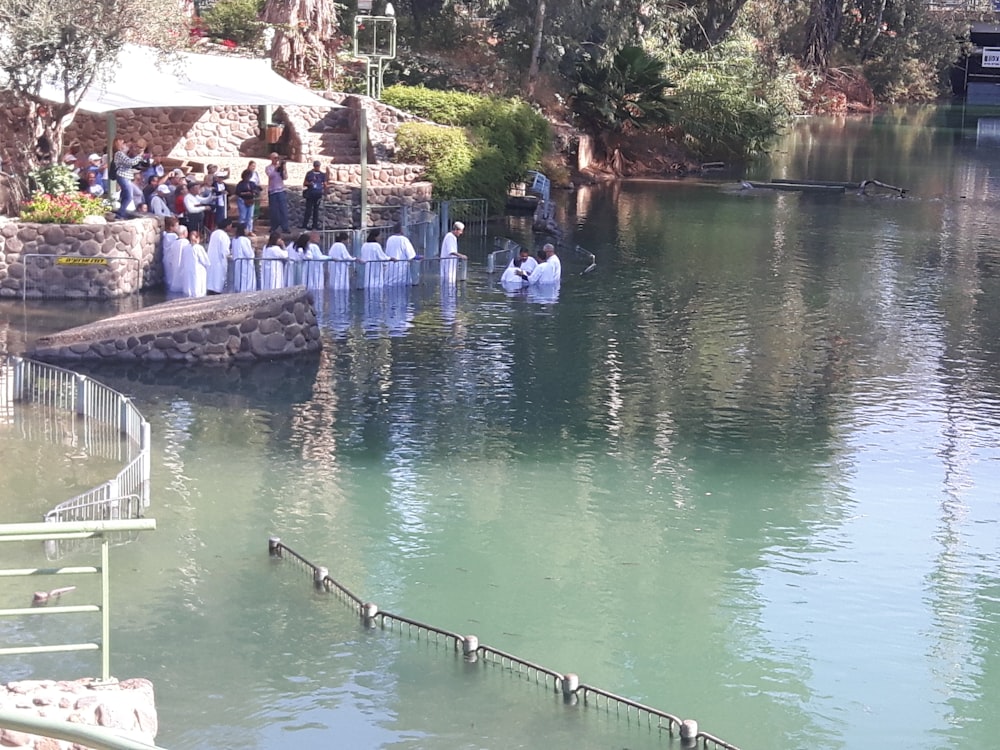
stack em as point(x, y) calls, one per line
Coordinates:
point(127, 708)
point(136, 239)
point(384, 204)
point(222, 328)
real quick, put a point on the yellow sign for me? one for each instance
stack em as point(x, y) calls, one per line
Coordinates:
point(68, 261)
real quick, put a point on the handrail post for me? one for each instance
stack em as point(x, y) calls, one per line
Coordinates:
point(145, 444)
point(19, 365)
point(81, 393)
point(105, 612)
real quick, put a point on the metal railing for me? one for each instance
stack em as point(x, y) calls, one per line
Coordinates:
point(573, 691)
point(504, 251)
point(339, 274)
point(49, 532)
point(81, 735)
point(109, 425)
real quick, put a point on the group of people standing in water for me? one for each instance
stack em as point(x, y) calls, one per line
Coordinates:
point(230, 263)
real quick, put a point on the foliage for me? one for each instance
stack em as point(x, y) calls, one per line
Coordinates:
point(731, 104)
point(625, 93)
point(71, 208)
point(307, 39)
point(444, 107)
point(55, 179)
point(235, 20)
point(445, 151)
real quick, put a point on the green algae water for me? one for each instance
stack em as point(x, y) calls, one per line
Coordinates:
point(746, 472)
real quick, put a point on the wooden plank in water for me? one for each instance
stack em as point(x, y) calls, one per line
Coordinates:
point(799, 187)
point(835, 183)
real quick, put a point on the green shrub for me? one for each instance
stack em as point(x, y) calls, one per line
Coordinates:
point(445, 107)
point(235, 20)
point(731, 105)
point(492, 144)
point(55, 179)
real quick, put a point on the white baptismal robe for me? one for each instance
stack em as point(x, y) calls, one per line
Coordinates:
point(193, 270)
point(244, 271)
point(375, 272)
point(315, 266)
point(340, 266)
point(273, 267)
point(398, 246)
point(218, 260)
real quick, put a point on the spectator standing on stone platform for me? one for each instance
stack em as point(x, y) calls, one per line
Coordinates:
point(277, 194)
point(314, 188)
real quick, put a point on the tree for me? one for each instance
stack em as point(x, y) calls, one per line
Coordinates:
point(822, 32)
point(69, 46)
point(629, 92)
point(306, 39)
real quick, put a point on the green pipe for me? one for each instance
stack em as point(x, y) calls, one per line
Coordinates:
point(94, 737)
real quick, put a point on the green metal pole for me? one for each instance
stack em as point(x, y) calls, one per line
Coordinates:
point(105, 613)
point(363, 142)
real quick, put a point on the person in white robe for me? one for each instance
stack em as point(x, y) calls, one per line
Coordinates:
point(340, 262)
point(296, 268)
point(376, 269)
point(527, 262)
point(273, 264)
point(546, 273)
point(194, 267)
point(177, 260)
point(551, 257)
point(399, 247)
point(450, 255)
point(511, 279)
point(315, 263)
point(244, 265)
point(171, 253)
point(218, 257)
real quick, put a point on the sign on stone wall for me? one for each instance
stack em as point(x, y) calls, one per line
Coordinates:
point(67, 260)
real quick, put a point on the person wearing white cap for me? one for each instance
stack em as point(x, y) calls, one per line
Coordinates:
point(158, 202)
point(450, 255)
point(70, 161)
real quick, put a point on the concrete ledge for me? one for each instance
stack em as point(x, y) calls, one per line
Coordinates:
point(225, 328)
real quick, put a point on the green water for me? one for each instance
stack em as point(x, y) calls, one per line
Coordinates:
point(746, 472)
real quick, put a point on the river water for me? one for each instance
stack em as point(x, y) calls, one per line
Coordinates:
point(746, 472)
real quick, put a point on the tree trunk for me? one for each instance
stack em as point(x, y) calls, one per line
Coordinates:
point(305, 39)
point(536, 49)
point(822, 32)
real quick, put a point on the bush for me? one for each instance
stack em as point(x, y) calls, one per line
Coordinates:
point(492, 144)
point(731, 104)
point(445, 107)
point(234, 20)
point(55, 179)
point(69, 208)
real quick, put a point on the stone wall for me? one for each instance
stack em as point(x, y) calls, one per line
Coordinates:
point(219, 329)
point(107, 244)
point(125, 707)
point(181, 133)
point(341, 209)
point(383, 121)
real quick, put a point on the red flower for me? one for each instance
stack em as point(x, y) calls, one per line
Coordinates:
point(229, 44)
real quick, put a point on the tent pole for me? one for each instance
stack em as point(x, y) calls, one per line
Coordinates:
point(112, 128)
point(363, 143)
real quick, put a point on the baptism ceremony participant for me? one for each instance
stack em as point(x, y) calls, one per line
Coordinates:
point(371, 253)
point(176, 281)
point(340, 263)
point(315, 263)
point(171, 251)
point(551, 257)
point(450, 255)
point(273, 262)
point(399, 247)
point(218, 257)
point(244, 263)
point(194, 267)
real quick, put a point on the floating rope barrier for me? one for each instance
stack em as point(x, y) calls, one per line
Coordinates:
point(568, 684)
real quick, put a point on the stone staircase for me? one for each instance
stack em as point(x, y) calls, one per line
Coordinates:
point(325, 135)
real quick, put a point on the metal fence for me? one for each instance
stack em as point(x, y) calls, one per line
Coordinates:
point(573, 691)
point(274, 273)
point(103, 421)
point(68, 531)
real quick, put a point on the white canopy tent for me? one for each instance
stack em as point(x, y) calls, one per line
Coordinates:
point(140, 78)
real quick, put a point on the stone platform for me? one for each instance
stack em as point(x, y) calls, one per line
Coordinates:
point(127, 708)
point(242, 327)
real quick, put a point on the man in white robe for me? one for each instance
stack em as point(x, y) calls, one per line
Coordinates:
point(450, 255)
point(194, 267)
point(551, 257)
point(174, 261)
point(169, 242)
point(399, 247)
point(218, 257)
